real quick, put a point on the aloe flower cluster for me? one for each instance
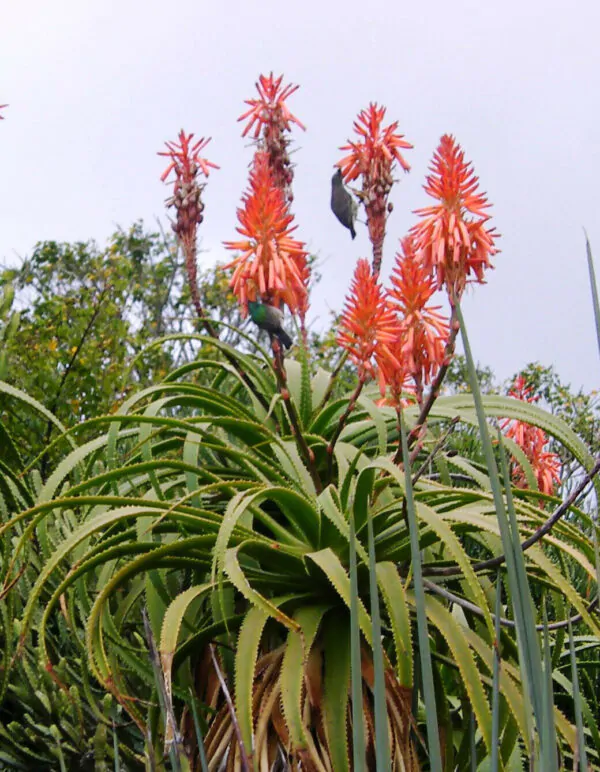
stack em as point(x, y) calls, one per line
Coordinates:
point(534, 443)
point(370, 329)
point(453, 237)
point(372, 157)
point(448, 247)
point(187, 166)
point(394, 335)
point(269, 124)
point(271, 262)
point(397, 336)
point(272, 266)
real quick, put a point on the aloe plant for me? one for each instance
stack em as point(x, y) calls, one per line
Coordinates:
point(196, 504)
point(246, 566)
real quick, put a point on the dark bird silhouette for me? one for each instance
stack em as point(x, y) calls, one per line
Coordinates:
point(269, 318)
point(343, 205)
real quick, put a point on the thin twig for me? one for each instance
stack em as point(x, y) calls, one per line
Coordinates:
point(545, 528)
point(466, 604)
point(332, 379)
point(69, 368)
point(246, 766)
point(173, 738)
point(341, 423)
point(438, 445)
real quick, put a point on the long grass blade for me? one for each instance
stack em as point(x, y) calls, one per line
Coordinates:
point(358, 717)
point(548, 730)
point(596, 305)
point(382, 746)
point(496, 678)
point(593, 287)
point(199, 735)
point(117, 760)
point(529, 650)
point(163, 698)
point(472, 743)
point(433, 737)
point(583, 763)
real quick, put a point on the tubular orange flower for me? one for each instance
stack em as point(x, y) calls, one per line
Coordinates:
point(533, 441)
point(369, 328)
point(425, 330)
point(271, 263)
point(270, 108)
point(185, 157)
point(395, 379)
point(187, 164)
point(270, 120)
point(452, 236)
point(373, 157)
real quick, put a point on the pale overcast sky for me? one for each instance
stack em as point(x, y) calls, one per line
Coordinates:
point(96, 87)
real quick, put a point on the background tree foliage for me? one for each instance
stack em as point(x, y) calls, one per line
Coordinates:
point(86, 313)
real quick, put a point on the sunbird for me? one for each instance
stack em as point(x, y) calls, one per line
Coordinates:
point(269, 318)
point(343, 205)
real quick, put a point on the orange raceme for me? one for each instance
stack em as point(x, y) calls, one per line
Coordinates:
point(188, 165)
point(425, 329)
point(272, 264)
point(452, 235)
point(270, 123)
point(372, 157)
point(533, 441)
point(369, 328)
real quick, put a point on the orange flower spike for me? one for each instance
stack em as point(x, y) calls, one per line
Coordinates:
point(269, 122)
point(270, 260)
point(373, 157)
point(452, 235)
point(395, 384)
point(533, 441)
point(188, 166)
point(425, 330)
point(368, 324)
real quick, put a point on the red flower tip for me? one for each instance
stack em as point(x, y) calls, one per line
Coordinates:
point(272, 264)
point(270, 107)
point(186, 160)
point(452, 235)
point(369, 328)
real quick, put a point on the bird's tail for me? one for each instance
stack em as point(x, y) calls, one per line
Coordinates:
point(352, 231)
point(284, 338)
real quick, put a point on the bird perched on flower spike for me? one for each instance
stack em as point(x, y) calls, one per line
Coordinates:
point(270, 319)
point(372, 156)
point(343, 205)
